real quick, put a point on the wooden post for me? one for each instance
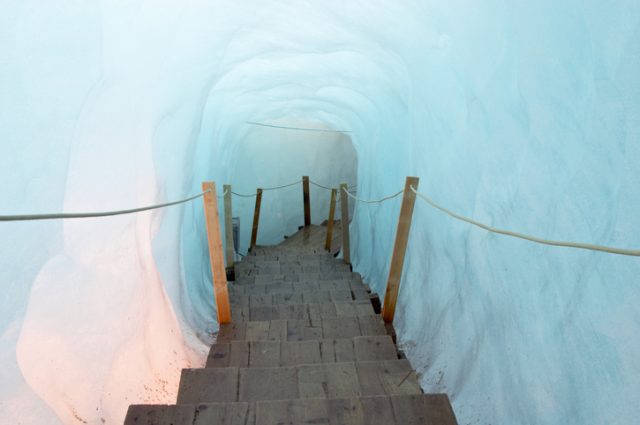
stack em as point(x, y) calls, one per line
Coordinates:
point(212, 220)
point(399, 249)
point(228, 232)
point(305, 196)
point(344, 204)
point(332, 211)
point(256, 219)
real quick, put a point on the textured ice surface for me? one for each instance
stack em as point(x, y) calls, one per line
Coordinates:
point(521, 114)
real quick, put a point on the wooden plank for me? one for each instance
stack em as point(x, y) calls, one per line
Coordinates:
point(343, 327)
point(337, 350)
point(149, 414)
point(300, 330)
point(423, 409)
point(257, 331)
point(307, 203)
point(361, 411)
point(299, 352)
point(272, 383)
point(256, 219)
point(208, 385)
point(344, 205)
point(332, 212)
point(399, 249)
point(232, 332)
point(228, 227)
point(371, 348)
point(218, 272)
point(371, 325)
point(277, 330)
point(390, 377)
point(377, 410)
point(219, 355)
point(222, 414)
point(293, 412)
point(336, 380)
point(239, 354)
point(264, 354)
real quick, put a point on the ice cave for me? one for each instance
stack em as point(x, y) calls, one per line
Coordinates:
point(519, 115)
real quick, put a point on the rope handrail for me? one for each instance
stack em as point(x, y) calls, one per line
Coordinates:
point(321, 130)
point(373, 201)
point(54, 216)
point(320, 186)
point(264, 189)
point(579, 245)
point(244, 195)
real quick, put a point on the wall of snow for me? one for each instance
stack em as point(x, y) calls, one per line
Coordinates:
point(521, 115)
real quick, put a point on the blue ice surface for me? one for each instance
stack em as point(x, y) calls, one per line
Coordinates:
point(522, 115)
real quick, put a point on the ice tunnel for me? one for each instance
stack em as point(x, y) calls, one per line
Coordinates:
point(521, 115)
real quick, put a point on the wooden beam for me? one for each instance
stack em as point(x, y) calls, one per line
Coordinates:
point(307, 205)
point(344, 205)
point(332, 212)
point(256, 219)
point(228, 230)
point(399, 249)
point(216, 256)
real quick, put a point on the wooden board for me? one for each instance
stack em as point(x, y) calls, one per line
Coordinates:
point(208, 385)
point(218, 272)
point(344, 221)
point(399, 249)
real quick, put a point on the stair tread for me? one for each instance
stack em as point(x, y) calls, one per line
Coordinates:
point(413, 409)
point(334, 380)
point(309, 311)
point(282, 353)
point(302, 330)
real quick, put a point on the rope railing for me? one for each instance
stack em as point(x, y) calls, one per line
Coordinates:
point(373, 201)
point(54, 216)
point(579, 245)
point(320, 130)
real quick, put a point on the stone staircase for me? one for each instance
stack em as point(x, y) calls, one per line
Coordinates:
point(306, 346)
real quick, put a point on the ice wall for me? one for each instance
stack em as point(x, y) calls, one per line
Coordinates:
point(523, 115)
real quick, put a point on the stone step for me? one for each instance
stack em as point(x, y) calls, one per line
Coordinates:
point(282, 353)
point(312, 313)
point(296, 277)
point(302, 330)
point(415, 409)
point(304, 297)
point(327, 380)
point(278, 267)
point(279, 287)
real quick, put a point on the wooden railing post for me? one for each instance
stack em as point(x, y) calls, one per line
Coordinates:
point(228, 232)
point(399, 249)
point(256, 219)
point(212, 220)
point(344, 205)
point(307, 205)
point(332, 211)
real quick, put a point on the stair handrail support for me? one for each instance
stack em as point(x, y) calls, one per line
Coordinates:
point(216, 256)
point(399, 249)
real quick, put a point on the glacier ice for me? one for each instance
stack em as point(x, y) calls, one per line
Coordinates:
point(524, 115)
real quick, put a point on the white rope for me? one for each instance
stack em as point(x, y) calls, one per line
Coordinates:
point(611, 250)
point(372, 201)
point(242, 195)
point(298, 128)
point(53, 216)
point(264, 189)
point(223, 194)
point(320, 186)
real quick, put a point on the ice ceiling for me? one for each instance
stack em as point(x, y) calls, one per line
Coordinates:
point(521, 114)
